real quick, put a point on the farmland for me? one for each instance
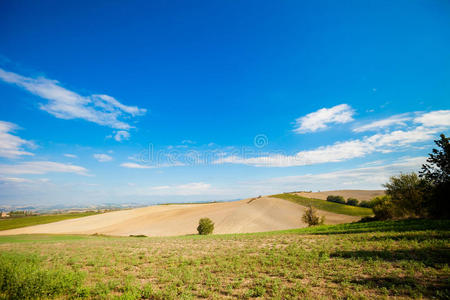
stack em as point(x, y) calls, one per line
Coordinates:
point(401, 259)
point(19, 222)
point(326, 205)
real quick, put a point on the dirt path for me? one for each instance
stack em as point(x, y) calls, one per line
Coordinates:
point(263, 214)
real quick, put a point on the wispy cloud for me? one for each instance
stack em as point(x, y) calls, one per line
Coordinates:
point(70, 155)
point(102, 157)
point(41, 167)
point(188, 189)
point(121, 135)
point(11, 146)
point(397, 120)
point(66, 104)
point(320, 119)
point(14, 180)
point(131, 165)
point(431, 124)
point(187, 142)
point(358, 178)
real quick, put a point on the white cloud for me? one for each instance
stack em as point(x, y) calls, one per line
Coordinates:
point(70, 155)
point(11, 146)
point(438, 118)
point(189, 189)
point(159, 165)
point(121, 135)
point(320, 119)
point(432, 124)
point(102, 157)
point(65, 104)
point(135, 166)
point(359, 178)
point(398, 120)
point(41, 167)
point(187, 142)
point(14, 180)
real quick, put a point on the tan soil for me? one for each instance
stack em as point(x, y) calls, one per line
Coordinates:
point(244, 216)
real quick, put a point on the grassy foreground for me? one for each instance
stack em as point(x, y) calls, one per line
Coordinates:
point(400, 259)
point(11, 223)
point(327, 205)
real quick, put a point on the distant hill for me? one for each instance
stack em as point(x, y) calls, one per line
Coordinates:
point(362, 195)
point(249, 215)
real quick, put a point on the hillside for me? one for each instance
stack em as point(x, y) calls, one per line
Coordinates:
point(245, 216)
point(362, 195)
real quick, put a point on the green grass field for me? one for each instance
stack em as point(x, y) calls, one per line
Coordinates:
point(327, 205)
point(377, 260)
point(11, 223)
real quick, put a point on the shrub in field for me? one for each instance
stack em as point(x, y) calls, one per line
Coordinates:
point(311, 218)
point(352, 201)
point(205, 226)
point(337, 199)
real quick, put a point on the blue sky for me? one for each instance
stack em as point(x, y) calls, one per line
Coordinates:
point(155, 101)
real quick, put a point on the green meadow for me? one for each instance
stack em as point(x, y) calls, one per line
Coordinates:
point(18, 222)
point(376, 260)
point(327, 205)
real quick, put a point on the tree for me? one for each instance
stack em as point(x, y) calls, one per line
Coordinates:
point(352, 201)
point(437, 173)
point(383, 208)
point(407, 193)
point(205, 226)
point(311, 218)
point(337, 199)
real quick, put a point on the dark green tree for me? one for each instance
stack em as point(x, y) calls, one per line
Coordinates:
point(352, 201)
point(437, 173)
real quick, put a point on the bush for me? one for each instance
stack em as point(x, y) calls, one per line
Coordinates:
point(311, 218)
point(337, 199)
point(366, 204)
point(384, 208)
point(205, 226)
point(352, 201)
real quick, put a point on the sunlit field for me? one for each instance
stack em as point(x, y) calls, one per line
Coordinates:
point(19, 222)
point(402, 259)
point(326, 205)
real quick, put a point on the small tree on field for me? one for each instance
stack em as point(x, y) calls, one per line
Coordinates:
point(205, 226)
point(311, 218)
point(352, 201)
